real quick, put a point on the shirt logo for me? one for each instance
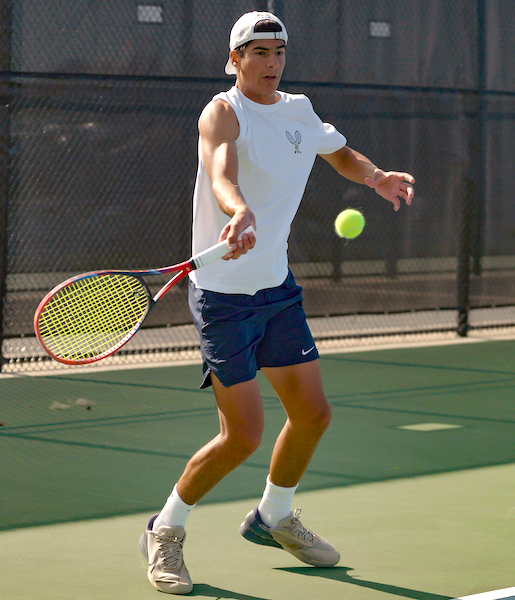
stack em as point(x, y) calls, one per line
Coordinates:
point(294, 140)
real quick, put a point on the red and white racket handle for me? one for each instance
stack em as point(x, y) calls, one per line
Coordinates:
point(215, 252)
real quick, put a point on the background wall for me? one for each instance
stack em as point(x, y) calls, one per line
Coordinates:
point(100, 101)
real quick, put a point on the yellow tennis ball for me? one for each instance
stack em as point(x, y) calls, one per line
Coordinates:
point(349, 223)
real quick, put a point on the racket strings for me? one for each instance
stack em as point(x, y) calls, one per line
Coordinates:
point(93, 316)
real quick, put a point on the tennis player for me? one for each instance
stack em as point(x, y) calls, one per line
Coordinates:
point(257, 146)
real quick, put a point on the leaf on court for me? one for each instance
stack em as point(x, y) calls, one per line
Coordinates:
point(85, 402)
point(58, 406)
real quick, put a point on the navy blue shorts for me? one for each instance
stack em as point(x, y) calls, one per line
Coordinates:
point(239, 334)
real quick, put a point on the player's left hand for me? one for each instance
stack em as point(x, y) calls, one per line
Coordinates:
point(393, 185)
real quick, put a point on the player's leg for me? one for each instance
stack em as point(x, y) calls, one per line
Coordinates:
point(240, 412)
point(272, 523)
point(241, 425)
point(229, 329)
point(299, 388)
point(288, 357)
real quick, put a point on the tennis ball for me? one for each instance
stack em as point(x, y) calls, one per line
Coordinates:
point(349, 223)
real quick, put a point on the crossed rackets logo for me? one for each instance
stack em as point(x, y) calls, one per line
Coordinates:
point(294, 140)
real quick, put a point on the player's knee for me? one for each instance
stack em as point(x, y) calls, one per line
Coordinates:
point(246, 442)
point(317, 420)
point(322, 418)
point(251, 442)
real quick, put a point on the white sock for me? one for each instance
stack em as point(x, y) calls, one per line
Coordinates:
point(276, 503)
point(174, 513)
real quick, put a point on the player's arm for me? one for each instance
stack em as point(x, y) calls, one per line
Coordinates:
point(390, 185)
point(219, 129)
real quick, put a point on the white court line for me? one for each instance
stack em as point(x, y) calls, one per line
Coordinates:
point(506, 594)
point(429, 427)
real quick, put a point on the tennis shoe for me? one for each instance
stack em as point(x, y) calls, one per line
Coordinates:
point(163, 551)
point(292, 536)
point(254, 530)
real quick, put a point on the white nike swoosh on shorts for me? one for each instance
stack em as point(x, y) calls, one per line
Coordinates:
point(304, 352)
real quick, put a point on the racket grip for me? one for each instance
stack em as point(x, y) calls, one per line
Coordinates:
point(215, 252)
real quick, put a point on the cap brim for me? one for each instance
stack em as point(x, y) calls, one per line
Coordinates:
point(230, 69)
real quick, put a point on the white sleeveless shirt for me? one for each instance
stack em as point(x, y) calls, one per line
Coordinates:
point(277, 147)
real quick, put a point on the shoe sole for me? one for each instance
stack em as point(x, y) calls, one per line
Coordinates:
point(297, 552)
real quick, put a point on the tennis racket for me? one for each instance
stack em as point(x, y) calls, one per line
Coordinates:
point(91, 316)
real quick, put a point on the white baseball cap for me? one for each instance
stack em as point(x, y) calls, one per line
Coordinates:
point(247, 28)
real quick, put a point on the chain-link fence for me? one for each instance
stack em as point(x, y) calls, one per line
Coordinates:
point(98, 114)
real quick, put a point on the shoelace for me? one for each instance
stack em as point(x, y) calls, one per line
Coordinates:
point(170, 549)
point(298, 529)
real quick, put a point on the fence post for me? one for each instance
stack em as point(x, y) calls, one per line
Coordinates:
point(472, 207)
point(5, 65)
point(477, 249)
point(463, 277)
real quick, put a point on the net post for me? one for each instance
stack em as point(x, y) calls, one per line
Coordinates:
point(5, 65)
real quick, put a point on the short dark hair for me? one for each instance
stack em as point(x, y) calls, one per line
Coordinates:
point(240, 49)
point(267, 25)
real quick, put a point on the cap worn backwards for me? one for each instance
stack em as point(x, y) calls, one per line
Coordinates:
point(254, 26)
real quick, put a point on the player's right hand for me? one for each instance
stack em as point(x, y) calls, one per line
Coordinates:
point(234, 229)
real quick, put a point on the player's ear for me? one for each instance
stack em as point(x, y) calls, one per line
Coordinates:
point(234, 56)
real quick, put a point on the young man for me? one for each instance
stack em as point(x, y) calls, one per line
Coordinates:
point(256, 149)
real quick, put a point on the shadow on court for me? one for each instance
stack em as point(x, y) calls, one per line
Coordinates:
point(342, 574)
point(207, 591)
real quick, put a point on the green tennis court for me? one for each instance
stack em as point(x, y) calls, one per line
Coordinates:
point(413, 481)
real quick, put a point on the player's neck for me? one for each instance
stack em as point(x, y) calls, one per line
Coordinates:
point(259, 96)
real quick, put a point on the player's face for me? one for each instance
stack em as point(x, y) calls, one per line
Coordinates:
point(260, 69)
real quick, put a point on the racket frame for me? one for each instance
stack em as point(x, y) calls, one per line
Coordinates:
point(182, 269)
